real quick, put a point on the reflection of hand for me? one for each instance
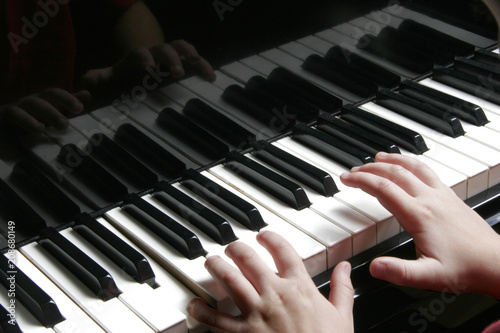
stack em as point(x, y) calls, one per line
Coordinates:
point(289, 302)
point(175, 57)
point(32, 113)
point(457, 250)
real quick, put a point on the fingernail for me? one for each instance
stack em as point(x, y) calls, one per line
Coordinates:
point(354, 169)
point(192, 304)
point(176, 70)
point(381, 154)
point(61, 123)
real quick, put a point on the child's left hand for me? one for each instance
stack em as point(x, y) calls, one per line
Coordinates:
point(174, 58)
point(288, 303)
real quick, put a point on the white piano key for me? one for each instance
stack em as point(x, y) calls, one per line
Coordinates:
point(144, 119)
point(297, 50)
point(260, 64)
point(466, 146)
point(191, 273)
point(25, 320)
point(294, 65)
point(137, 297)
point(316, 44)
point(362, 229)
point(169, 290)
point(491, 110)
point(112, 315)
point(76, 320)
point(311, 251)
point(365, 204)
point(337, 241)
point(211, 94)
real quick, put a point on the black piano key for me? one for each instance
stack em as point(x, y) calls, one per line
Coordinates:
point(402, 136)
point(172, 232)
point(92, 174)
point(36, 301)
point(382, 46)
point(340, 75)
point(212, 224)
point(438, 53)
point(191, 134)
point(275, 119)
point(278, 186)
point(441, 121)
point(306, 90)
point(467, 111)
point(355, 135)
point(404, 45)
point(359, 65)
point(122, 254)
point(218, 124)
point(484, 88)
point(8, 322)
point(296, 168)
point(14, 208)
point(458, 47)
point(301, 109)
point(242, 211)
point(149, 151)
point(56, 201)
point(334, 148)
point(477, 68)
point(107, 152)
point(91, 274)
point(487, 57)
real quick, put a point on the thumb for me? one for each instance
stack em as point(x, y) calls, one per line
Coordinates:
point(420, 273)
point(341, 290)
point(97, 77)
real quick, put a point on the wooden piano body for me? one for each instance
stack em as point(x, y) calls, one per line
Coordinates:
point(256, 33)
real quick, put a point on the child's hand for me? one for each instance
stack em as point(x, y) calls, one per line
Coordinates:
point(457, 250)
point(173, 58)
point(288, 303)
point(34, 112)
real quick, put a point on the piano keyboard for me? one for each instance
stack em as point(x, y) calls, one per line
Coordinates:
point(98, 268)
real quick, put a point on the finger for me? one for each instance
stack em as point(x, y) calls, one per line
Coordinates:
point(397, 174)
point(44, 111)
point(200, 311)
point(421, 273)
point(97, 77)
point(233, 282)
point(391, 196)
point(167, 55)
point(83, 96)
point(63, 100)
point(190, 54)
point(251, 265)
point(18, 117)
point(419, 169)
point(341, 289)
point(285, 257)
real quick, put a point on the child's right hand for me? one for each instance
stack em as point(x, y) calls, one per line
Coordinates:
point(457, 250)
point(48, 108)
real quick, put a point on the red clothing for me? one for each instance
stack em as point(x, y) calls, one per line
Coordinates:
point(493, 328)
point(41, 48)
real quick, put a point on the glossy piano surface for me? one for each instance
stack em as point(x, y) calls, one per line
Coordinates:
point(138, 238)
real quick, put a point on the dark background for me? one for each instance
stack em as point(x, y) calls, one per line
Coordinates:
point(257, 25)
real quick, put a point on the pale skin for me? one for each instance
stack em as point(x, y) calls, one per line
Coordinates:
point(424, 206)
point(139, 44)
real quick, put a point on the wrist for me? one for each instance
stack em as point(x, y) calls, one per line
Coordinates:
point(487, 276)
